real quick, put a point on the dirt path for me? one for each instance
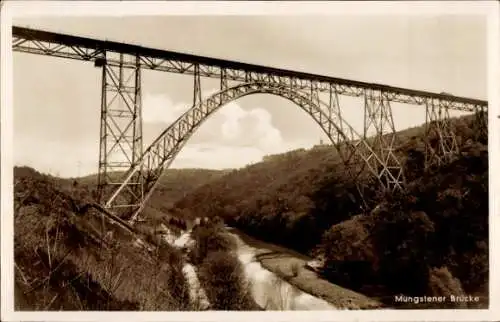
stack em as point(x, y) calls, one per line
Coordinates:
point(290, 266)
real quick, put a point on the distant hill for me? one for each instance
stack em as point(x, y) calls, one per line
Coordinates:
point(174, 184)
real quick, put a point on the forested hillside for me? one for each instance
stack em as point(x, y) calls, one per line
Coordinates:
point(418, 242)
point(173, 185)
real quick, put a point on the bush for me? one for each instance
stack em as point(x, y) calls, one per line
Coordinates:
point(221, 275)
point(209, 239)
point(402, 244)
point(348, 250)
point(442, 283)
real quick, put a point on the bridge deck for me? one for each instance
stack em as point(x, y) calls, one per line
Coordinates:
point(88, 49)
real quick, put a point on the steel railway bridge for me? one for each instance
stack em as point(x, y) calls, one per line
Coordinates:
point(121, 147)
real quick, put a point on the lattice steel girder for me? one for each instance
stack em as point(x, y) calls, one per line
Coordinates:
point(378, 116)
point(121, 130)
point(163, 150)
point(438, 127)
point(66, 46)
point(197, 85)
point(481, 122)
point(333, 110)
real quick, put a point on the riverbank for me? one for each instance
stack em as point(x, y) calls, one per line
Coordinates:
point(290, 266)
point(269, 290)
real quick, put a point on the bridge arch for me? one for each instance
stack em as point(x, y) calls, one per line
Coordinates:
point(161, 153)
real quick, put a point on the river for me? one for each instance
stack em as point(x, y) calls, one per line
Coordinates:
point(268, 290)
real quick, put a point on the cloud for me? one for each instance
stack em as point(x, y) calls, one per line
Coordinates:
point(216, 156)
point(56, 157)
point(231, 137)
point(159, 108)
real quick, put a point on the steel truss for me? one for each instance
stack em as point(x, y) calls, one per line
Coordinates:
point(121, 131)
point(347, 152)
point(121, 121)
point(378, 117)
point(440, 138)
point(481, 123)
point(163, 150)
point(87, 49)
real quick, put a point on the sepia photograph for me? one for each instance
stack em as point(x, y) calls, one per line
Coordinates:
point(256, 162)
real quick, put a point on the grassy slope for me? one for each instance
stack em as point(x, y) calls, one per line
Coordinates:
point(295, 198)
point(67, 258)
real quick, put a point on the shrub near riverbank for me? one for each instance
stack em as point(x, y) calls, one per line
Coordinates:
point(220, 272)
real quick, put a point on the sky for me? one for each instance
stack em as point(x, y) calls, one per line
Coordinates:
point(57, 101)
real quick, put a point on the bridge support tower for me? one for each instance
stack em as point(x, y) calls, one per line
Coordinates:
point(440, 138)
point(380, 134)
point(121, 129)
